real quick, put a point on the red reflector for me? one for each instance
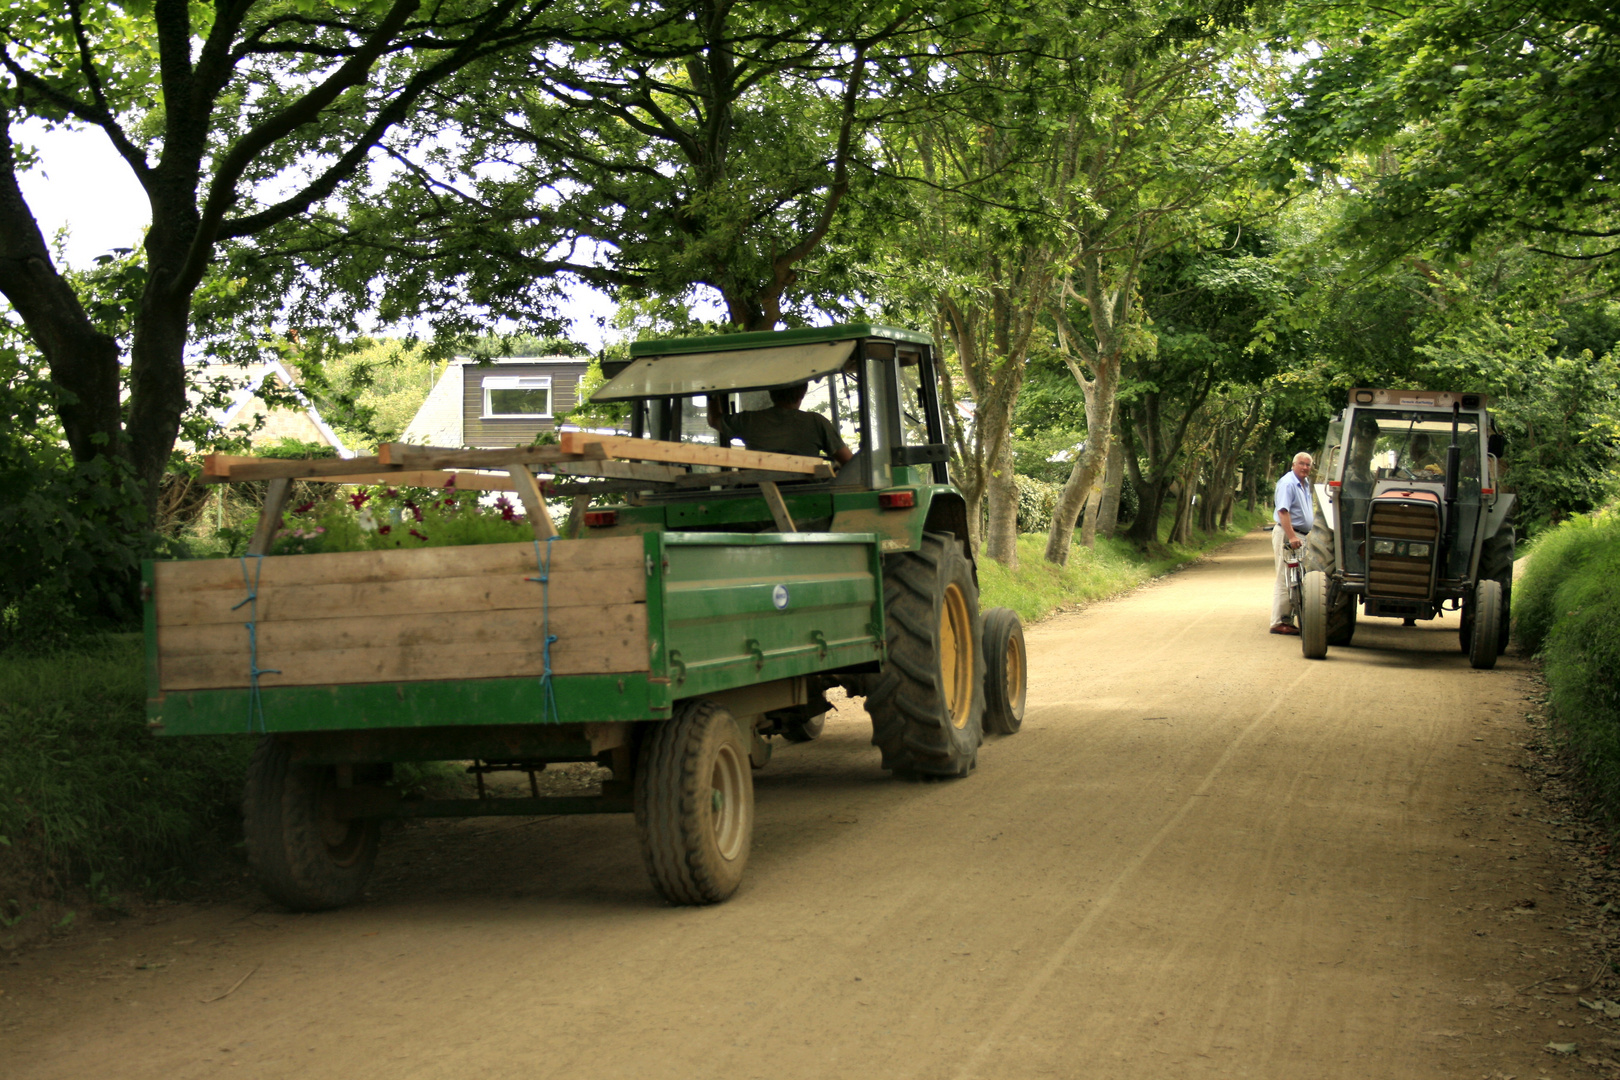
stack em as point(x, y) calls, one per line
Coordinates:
point(1335, 483)
point(1487, 491)
point(601, 519)
point(897, 500)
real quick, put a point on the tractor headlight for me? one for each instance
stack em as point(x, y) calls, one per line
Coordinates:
point(1418, 551)
point(1383, 547)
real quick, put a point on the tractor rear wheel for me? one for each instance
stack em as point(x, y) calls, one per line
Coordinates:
point(1006, 673)
point(694, 804)
point(1486, 632)
point(927, 704)
point(301, 853)
point(1313, 619)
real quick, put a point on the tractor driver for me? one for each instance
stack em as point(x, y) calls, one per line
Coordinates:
point(1421, 458)
point(784, 428)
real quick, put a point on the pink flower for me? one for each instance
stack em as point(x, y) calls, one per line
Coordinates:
point(306, 508)
point(451, 482)
point(416, 534)
point(383, 529)
point(358, 499)
point(391, 493)
point(508, 511)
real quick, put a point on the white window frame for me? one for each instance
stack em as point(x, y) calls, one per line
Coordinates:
point(518, 382)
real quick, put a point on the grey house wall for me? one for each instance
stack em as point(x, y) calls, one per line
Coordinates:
point(478, 431)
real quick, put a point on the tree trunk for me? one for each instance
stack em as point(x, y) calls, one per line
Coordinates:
point(1001, 493)
point(1113, 482)
point(83, 361)
point(1100, 394)
point(1088, 527)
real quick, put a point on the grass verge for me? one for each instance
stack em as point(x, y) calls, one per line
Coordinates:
point(1038, 588)
point(1567, 609)
point(90, 803)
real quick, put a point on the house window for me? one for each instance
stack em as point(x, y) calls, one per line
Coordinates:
point(519, 396)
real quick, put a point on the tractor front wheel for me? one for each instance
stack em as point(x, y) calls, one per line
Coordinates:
point(1485, 634)
point(927, 704)
point(1006, 674)
point(1313, 620)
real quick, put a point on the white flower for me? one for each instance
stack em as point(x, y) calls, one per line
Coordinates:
point(368, 523)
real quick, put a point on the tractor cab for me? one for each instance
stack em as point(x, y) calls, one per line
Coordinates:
point(875, 385)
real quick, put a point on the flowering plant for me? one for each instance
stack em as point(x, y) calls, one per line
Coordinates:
point(382, 518)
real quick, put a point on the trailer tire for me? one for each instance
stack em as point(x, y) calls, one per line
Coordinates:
point(300, 853)
point(1006, 672)
point(806, 730)
point(1313, 617)
point(927, 704)
point(1486, 631)
point(694, 804)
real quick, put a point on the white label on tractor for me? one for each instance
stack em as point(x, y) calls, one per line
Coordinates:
point(894, 545)
point(779, 597)
point(1417, 401)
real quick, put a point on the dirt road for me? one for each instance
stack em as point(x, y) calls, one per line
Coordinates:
point(1203, 856)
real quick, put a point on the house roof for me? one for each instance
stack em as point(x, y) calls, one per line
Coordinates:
point(250, 379)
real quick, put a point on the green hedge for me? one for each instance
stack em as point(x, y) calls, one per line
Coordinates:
point(1567, 609)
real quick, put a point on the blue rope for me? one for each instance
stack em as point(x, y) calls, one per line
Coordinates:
point(543, 567)
point(255, 699)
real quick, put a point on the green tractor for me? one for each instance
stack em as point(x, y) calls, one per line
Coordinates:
point(1411, 521)
point(699, 604)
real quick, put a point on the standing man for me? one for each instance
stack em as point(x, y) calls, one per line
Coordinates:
point(1293, 513)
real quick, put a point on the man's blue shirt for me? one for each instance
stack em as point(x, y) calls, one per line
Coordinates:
point(1294, 496)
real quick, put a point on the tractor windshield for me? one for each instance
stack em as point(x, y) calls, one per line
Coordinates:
point(1389, 448)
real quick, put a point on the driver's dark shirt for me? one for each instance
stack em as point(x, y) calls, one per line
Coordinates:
point(784, 431)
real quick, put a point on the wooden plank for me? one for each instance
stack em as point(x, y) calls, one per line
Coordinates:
point(633, 449)
point(388, 599)
point(574, 654)
point(622, 470)
point(534, 503)
point(778, 508)
point(493, 629)
point(733, 478)
point(275, 505)
point(430, 457)
point(228, 468)
point(411, 565)
point(576, 515)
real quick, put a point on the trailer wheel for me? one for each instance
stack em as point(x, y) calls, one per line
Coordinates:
point(927, 704)
point(694, 803)
point(1486, 631)
point(1006, 673)
point(1313, 619)
point(808, 729)
point(302, 855)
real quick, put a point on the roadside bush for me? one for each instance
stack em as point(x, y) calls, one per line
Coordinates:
point(1037, 499)
point(1558, 555)
point(88, 797)
point(1570, 614)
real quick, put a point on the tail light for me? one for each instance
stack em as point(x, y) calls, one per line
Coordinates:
point(897, 500)
point(601, 519)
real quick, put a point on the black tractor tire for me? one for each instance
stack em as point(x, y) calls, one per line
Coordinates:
point(1313, 616)
point(1496, 563)
point(694, 804)
point(1487, 610)
point(1504, 632)
point(927, 704)
point(1006, 672)
point(1342, 620)
point(301, 854)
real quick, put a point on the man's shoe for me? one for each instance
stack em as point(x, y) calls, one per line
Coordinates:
point(1285, 628)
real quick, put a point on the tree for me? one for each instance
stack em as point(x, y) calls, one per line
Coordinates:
point(1481, 114)
point(709, 143)
point(233, 118)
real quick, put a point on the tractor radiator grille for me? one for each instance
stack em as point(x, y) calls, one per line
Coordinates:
point(1398, 526)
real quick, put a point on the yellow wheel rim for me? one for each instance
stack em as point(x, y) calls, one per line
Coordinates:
point(956, 656)
point(1015, 676)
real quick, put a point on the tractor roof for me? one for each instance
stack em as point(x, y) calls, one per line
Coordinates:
point(679, 366)
point(1407, 399)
